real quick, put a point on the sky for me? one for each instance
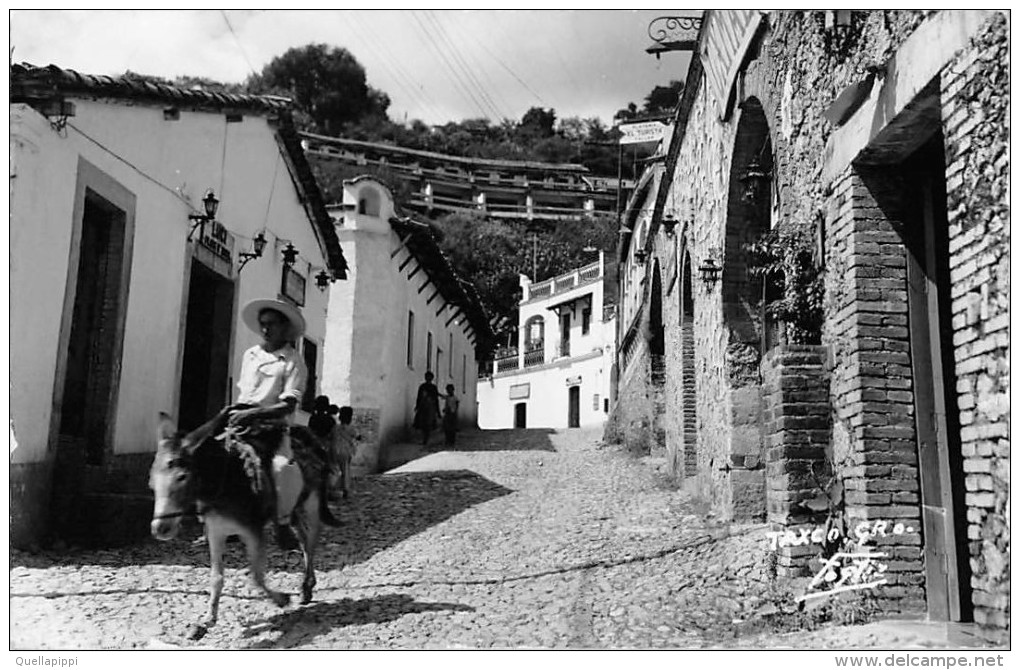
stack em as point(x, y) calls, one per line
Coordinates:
point(436, 65)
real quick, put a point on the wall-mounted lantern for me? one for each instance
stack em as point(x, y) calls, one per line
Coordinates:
point(290, 255)
point(258, 245)
point(322, 280)
point(210, 204)
point(838, 22)
point(669, 224)
point(755, 178)
point(710, 271)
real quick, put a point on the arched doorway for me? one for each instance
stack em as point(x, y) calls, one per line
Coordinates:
point(656, 337)
point(738, 472)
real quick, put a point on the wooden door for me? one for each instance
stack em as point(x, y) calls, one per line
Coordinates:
point(947, 572)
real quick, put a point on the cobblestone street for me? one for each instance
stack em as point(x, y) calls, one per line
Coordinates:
point(517, 539)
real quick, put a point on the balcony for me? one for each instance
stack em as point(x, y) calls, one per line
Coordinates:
point(564, 282)
point(533, 358)
point(507, 364)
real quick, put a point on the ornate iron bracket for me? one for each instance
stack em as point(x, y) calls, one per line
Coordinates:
point(673, 33)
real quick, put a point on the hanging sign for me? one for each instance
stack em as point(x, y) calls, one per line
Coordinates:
point(636, 133)
point(217, 239)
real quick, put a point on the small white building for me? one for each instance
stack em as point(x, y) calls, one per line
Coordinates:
point(126, 295)
point(559, 374)
point(402, 312)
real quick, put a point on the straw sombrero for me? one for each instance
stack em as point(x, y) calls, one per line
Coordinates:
point(250, 316)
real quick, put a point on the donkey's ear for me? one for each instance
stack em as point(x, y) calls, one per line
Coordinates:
point(167, 428)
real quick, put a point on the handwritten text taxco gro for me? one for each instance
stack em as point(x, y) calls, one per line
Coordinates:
point(862, 532)
point(844, 571)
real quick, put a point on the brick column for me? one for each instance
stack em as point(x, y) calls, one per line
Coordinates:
point(874, 441)
point(795, 389)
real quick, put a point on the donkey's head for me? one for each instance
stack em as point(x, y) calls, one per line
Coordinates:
point(171, 479)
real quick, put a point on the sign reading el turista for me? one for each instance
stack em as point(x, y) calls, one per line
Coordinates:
point(636, 133)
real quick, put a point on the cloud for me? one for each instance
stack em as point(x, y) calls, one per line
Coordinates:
point(438, 65)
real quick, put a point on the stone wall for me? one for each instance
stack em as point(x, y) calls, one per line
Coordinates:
point(975, 111)
point(794, 74)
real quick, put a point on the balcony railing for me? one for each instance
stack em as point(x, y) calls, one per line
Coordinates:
point(533, 358)
point(508, 364)
point(564, 282)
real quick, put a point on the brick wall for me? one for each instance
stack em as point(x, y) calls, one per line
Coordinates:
point(795, 388)
point(874, 440)
point(975, 109)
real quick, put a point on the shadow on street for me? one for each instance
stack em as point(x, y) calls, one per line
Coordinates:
point(300, 626)
point(382, 511)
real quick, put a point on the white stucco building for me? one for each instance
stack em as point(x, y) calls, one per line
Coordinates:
point(123, 305)
point(402, 312)
point(559, 374)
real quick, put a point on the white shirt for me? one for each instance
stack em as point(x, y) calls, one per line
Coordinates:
point(268, 377)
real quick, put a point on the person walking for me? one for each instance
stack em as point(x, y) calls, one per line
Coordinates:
point(426, 408)
point(451, 404)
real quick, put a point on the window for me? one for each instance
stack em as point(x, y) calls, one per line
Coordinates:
point(463, 374)
point(585, 320)
point(368, 203)
point(310, 352)
point(439, 362)
point(534, 333)
point(410, 339)
point(451, 356)
point(428, 353)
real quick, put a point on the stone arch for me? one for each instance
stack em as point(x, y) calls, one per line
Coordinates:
point(656, 329)
point(739, 472)
point(748, 217)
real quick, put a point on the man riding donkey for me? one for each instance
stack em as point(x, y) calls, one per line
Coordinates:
point(271, 382)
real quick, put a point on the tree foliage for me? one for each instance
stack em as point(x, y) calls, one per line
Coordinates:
point(328, 84)
point(492, 253)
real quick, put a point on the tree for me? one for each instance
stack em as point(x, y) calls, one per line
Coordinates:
point(327, 83)
point(664, 98)
point(491, 253)
point(538, 122)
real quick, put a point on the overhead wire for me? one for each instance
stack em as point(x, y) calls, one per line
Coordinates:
point(393, 66)
point(458, 82)
point(465, 67)
point(237, 41)
point(507, 68)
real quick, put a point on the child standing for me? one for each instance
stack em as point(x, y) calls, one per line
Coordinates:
point(344, 447)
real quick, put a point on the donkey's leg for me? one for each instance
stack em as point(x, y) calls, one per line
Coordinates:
point(255, 544)
point(309, 529)
point(217, 544)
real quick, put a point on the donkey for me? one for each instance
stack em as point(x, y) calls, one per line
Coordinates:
point(225, 483)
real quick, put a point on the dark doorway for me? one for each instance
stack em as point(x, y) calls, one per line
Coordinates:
point(936, 413)
point(574, 407)
point(565, 334)
point(90, 377)
point(521, 415)
point(206, 367)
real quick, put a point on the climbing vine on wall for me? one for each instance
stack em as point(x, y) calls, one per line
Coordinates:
point(784, 260)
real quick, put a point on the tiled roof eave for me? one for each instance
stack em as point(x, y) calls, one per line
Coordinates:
point(30, 82)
